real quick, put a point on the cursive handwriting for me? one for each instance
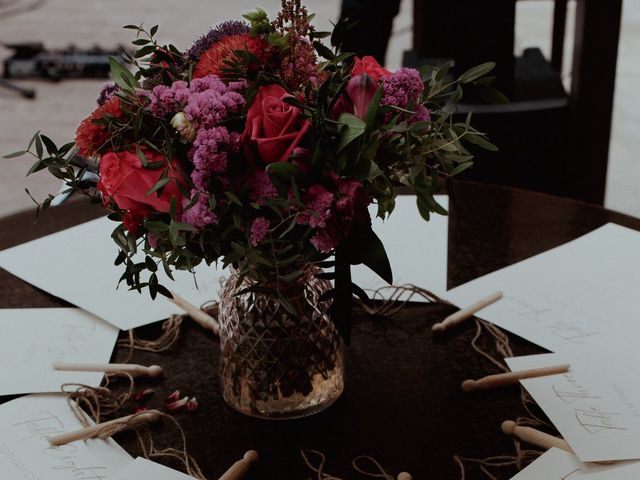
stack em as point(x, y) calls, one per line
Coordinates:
point(571, 331)
point(594, 420)
point(524, 310)
point(631, 406)
point(572, 391)
point(45, 423)
point(78, 333)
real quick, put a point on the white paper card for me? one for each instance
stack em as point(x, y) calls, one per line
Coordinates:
point(417, 249)
point(77, 265)
point(595, 405)
point(143, 469)
point(557, 464)
point(25, 453)
point(32, 339)
point(581, 296)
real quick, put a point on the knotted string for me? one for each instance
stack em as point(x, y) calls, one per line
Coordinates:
point(170, 333)
point(319, 469)
point(388, 305)
point(147, 444)
point(321, 460)
point(98, 401)
point(168, 338)
point(381, 473)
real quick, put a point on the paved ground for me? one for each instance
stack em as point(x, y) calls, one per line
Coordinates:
point(60, 107)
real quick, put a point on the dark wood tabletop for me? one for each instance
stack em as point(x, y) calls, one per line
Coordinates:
point(402, 404)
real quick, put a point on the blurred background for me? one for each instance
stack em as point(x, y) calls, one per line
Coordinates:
point(554, 136)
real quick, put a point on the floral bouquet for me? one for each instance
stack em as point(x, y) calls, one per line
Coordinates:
point(261, 148)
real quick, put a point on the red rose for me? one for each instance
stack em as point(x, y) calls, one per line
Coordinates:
point(125, 182)
point(274, 128)
point(370, 66)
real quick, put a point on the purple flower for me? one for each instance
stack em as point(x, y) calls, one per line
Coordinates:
point(259, 229)
point(260, 187)
point(153, 240)
point(323, 242)
point(108, 91)
point(401, 88)
point(210, 153)
point(214, 35)
point(318, 207)
point(168, 99)
point(208, 108)
point(205, 102)
point(422, 115)
point(199, 215)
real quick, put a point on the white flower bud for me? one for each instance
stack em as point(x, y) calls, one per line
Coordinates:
point(183, 126)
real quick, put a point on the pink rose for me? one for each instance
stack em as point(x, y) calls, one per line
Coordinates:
point(370, 66)
point(274, 128)
point(125, 182)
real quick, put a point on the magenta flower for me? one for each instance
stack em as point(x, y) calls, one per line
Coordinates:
point(199, 215)
point(323, 242)
point(357, 96)
point(402, 88)
point(259, 230)
point(318, 207)
point(261, 188)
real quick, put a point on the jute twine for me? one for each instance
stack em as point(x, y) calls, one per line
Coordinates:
point(390, 304)
point(100, 401)
point(97, 401)
point(358, 465)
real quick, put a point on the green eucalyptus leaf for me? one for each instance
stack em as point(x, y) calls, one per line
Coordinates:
point(352, 128)
point(481, 141)
point(17, 154)
point(50, 146)
point(39, 150)
point(476, 72)
point(36, 167)
point(460, 168)
point(231, 196)
point(150, 264)
point(159, 184)
point(283, 169)
point(324, 51)
point(123, 77)
point(372, 109)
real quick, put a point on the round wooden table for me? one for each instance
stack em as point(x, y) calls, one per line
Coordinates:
point(403, 404)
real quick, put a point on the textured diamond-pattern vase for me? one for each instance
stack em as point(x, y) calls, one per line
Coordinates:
point(275, 365)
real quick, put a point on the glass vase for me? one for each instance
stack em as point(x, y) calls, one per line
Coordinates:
point(274, 364)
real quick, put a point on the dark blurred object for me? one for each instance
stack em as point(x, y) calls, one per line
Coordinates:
point(367, 26)
point(32, 60)
point(29, 93)
point(549, 140)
